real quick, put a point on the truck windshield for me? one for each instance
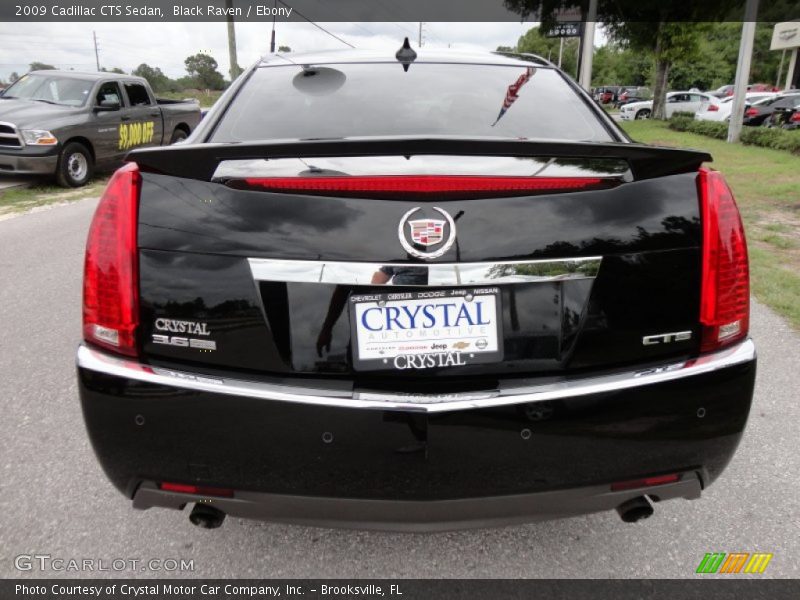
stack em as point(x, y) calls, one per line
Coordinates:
point(53, 89)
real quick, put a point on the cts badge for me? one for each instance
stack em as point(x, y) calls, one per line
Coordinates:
point(666, 338)
point(426, 233)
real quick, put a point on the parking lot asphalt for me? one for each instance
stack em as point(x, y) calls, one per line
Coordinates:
point(55, 500)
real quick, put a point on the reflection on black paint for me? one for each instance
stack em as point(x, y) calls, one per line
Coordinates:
point(216, 290)
point(647, 232)
point(195, 216)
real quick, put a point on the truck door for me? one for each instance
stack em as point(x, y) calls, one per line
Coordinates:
point(107, 122)
point(143, 127)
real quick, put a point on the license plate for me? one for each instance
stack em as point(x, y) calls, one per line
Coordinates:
point(426, 330)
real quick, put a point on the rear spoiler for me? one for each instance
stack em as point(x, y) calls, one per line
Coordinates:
point(200, 161)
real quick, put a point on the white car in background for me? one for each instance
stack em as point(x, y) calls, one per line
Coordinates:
point(676, 102)
point(719, 109)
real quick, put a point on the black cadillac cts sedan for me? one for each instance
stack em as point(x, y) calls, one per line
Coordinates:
point(414, 292)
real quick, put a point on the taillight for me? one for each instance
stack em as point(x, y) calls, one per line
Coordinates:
point(795, 118)
point(389, 185)
point(110, 276)
point(712, 108)
point(751, 112)
point(725, 291)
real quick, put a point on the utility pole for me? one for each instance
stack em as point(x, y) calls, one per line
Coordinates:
point(560, 50)
point(272, 42)
point(743, 70)
point(234, 70)
point(96, 54)
point(792, 67)
point(780, 68)
point(420, 34)
point(587, 47)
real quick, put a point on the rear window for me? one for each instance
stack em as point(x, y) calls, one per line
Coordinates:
point(376, 100)
point(137, 94)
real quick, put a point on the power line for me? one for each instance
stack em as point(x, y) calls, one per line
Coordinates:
point(333, 35)
point(398, 10)
point(330, 6)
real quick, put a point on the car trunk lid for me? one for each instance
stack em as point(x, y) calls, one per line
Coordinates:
point(264, 257)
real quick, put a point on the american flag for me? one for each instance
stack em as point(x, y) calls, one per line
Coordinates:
point(426, 231)
point(512, 93)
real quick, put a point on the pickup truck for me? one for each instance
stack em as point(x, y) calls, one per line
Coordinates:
point(67, 124)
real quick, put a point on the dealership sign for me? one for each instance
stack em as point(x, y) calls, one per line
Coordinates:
point(568, 23)
point(786, 35)
point(564, 30)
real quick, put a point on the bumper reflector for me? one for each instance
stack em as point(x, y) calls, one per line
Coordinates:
point(646, 482)
point(199, 490)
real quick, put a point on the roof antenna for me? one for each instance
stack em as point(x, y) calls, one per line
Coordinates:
point(406, 55)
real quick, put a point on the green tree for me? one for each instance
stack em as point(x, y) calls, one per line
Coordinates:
point(535, 42)
point(718, 51)
point(766, 62)
point(203, 68)
point(113, 70)
point(284, 49)
point(669, 42)
point(155, 77)
point(40, 66)
point(614, 65)
point(185, 83)
point(13, 77)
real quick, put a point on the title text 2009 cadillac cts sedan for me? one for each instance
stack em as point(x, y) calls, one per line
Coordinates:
point(414, 292)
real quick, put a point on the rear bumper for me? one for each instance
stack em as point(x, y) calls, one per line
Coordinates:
point(364, 459)
point(18, 163)
point(426, 515)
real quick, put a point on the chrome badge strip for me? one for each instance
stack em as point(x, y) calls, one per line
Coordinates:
point(438, 274)
point(347, 397)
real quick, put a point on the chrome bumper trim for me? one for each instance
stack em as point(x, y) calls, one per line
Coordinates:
point(552, 389)
point(438, 274)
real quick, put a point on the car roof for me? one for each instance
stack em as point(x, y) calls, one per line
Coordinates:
point(765, 95)
point(424, 55)
point(87, 75)
point(764, 101)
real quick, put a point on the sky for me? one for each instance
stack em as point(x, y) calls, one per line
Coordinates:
point(166, 45)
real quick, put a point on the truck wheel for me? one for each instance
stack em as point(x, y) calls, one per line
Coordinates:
point(75, 165)
point(643, 114)
point(177, 136)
